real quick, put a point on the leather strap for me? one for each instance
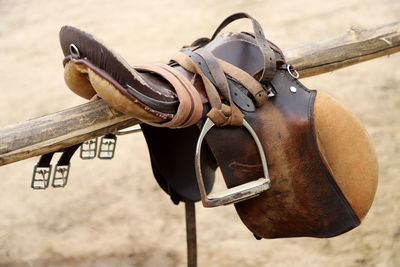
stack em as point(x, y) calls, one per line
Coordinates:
point(220, 113)
point(67, 155)
point(252, 85)
point(187, 63)
point(268, 54)
point(45, 160)
point(190, 107)
point(211, 66)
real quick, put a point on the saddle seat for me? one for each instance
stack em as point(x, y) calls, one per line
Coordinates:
point(322, 166)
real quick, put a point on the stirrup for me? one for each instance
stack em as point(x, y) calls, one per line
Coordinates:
point(40, 177)
point(60, 176)
point(107, 146)
point(89, 149)
point(237, 193)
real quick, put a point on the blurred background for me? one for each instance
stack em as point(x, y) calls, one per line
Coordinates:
point(113, 213)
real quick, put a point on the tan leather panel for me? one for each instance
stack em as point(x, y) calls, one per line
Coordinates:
point(75, 77)
point(117, 100)
point(346, 149)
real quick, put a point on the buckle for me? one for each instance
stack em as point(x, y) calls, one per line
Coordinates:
point(88, 149)
point(271, 92)
point(60, 176)
point(107, 146)
point(40, 177)
point(238, 193)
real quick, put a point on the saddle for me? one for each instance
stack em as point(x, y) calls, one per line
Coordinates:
point(295, 161)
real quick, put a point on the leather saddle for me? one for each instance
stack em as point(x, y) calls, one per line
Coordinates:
point(295, 161)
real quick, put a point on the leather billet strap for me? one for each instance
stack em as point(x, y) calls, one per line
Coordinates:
point(45, 160)
point(190, 107)
point(268, 54)
point(67, 155)
point(220, 113)
point(64, 160)
point(260, 96)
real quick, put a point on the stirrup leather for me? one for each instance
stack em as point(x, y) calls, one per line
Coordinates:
point(237, 193)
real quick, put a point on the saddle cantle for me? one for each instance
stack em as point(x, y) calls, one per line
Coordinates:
point(321, 164)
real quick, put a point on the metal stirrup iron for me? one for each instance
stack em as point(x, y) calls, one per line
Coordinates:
point(237, 193)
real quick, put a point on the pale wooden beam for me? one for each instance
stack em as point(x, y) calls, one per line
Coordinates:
point(355, 46)
point(77, 124)
point(59, 130)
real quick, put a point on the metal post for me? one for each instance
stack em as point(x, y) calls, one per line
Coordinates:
point(191, 234)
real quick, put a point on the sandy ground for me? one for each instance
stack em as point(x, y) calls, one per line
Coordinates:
point(112, 213)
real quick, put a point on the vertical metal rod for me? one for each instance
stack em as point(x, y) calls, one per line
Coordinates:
point(191, 234)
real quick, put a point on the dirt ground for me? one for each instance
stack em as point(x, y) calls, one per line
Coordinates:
point(113, 213)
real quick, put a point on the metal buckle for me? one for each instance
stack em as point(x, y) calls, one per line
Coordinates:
point(40, 177)
point(61, 179)
point(237, 193)
point(88, 149)
point(271, 92)
point(107, 146)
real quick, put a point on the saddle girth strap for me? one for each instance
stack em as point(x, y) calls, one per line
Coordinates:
point(190, 107)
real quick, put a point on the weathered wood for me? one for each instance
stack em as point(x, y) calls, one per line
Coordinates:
point(355, 46)
point(75, 125)
point(59, 130)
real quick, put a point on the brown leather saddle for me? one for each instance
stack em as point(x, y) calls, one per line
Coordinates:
point(294, 160)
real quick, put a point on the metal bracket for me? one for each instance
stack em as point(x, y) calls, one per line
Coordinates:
point(88, 149)
point(107, 146)
point(128, 131)
point(237, 193)
point(40, 177)
point(60, 176)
